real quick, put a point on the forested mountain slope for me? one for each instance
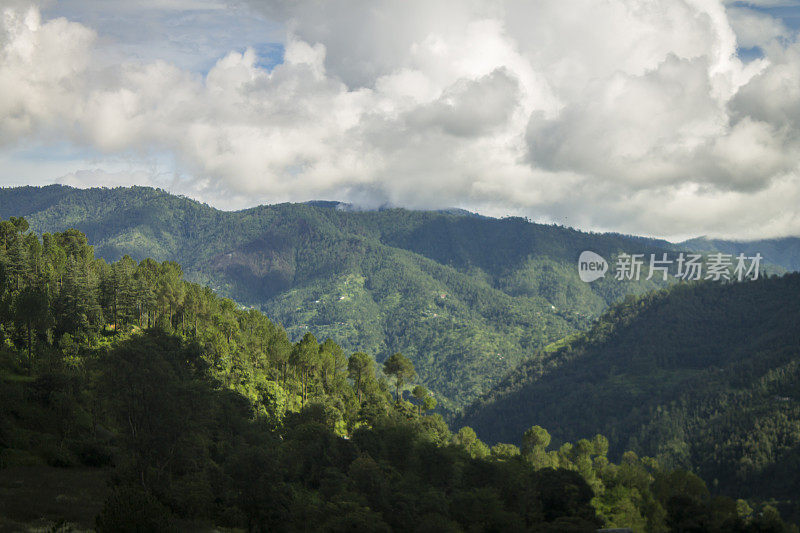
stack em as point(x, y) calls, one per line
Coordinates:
point(465, 297)
point(132, 400)
point(703, 375)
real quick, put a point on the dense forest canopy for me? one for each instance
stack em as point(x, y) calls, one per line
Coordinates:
point(465, 298)
point(702, 376)
point(205, 413)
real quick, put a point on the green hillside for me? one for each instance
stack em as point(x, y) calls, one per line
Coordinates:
point(132, 400)
point(705, 376)
point(465, 297)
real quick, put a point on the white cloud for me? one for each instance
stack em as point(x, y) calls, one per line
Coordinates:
point(470, 108)
point(38, 63)
point(754, 28)
point(625, 115)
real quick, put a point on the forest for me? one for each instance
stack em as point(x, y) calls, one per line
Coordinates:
point(203, 414)
point(466, 298)
point(702, 376)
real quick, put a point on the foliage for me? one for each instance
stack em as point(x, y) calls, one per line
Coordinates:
point(703, 376)
point(465, 298)
point(207, 415)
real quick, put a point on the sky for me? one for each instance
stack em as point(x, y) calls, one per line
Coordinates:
point(666, 118)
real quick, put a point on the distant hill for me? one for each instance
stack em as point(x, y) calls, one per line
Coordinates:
point(466, 297)
point(784, 252)
point(704, 375)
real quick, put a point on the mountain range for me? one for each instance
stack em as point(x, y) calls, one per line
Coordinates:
point(465, 297)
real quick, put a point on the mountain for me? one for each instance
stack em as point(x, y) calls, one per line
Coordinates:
point(704, 376)
point(465, 297)
point(784, 252)
point(132, 400)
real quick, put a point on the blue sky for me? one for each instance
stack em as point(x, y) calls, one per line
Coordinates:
point(787, 12)
point(192, 35)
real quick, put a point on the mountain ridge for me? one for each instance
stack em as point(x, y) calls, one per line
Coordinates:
point(468, 297)
point(703, 376)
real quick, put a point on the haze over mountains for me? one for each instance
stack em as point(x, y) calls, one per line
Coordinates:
point(784, 252)
point(465, 297)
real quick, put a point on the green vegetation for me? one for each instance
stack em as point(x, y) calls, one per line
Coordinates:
point(465, 298)
point(203, 414)
point(703, 376)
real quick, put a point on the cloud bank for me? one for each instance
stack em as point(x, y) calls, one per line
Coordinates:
point(627, 115)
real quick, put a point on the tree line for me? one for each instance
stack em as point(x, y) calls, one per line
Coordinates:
point(206, 413)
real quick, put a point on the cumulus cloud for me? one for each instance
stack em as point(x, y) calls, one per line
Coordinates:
point(756, 29)
point(38, 63)
point(625, 115)
point(470, 108)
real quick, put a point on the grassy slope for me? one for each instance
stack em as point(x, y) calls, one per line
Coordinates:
point(38, 497)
